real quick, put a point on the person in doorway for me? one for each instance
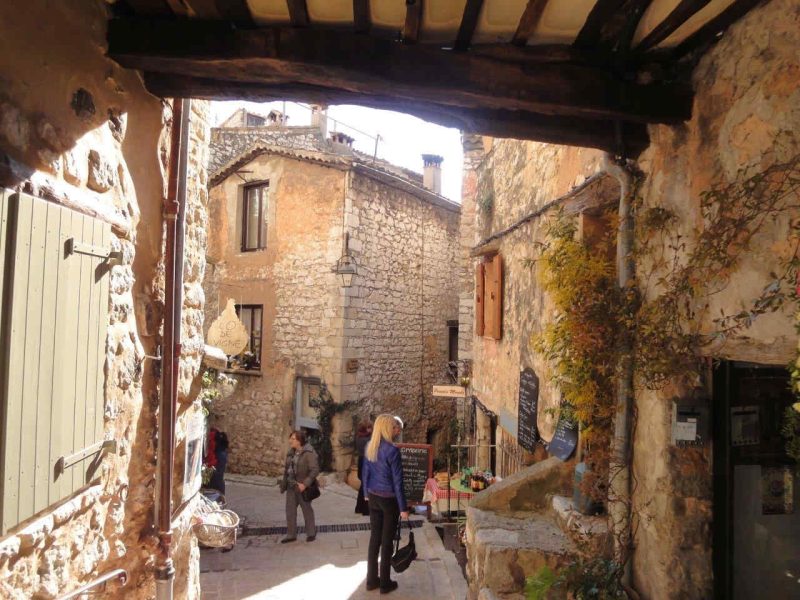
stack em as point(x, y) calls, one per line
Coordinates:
point(397, 430)
point(383, 489)
point(363, 434)
point(220, 450)
point(300, 471)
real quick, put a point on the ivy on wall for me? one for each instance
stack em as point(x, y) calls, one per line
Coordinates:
point(327, 408)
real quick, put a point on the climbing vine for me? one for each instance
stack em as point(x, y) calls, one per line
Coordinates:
point(327, 408)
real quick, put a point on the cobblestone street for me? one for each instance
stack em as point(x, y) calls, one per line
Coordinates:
point(331, 568)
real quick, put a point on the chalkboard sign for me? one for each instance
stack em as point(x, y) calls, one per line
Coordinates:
point(527, 430)
point(564, 439)
point(417, 469)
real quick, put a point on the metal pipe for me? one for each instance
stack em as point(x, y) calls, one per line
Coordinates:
point(173, 283)
point(620, 463)
point(121, 575)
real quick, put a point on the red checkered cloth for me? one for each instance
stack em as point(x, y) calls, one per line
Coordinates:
point(434, 492)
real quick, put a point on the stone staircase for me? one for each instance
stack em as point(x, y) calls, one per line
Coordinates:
point(519, 525)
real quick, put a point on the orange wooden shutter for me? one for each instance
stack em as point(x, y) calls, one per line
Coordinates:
point(494, 298)
point(479, 299)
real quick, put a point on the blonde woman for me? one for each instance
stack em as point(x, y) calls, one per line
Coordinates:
point(383, 490)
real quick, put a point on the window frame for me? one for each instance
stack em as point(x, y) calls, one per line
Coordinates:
point(261, 244)
point(299, 419)
point(251, 337)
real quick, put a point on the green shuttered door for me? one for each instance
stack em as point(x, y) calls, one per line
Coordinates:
point(52, 351)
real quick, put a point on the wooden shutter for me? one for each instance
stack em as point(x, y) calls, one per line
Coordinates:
point(479, 299)
point(493, 311)
point(54, 324)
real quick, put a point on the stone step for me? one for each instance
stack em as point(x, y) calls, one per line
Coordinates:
point(589, 533)
point(447, 573)
point(503, 550)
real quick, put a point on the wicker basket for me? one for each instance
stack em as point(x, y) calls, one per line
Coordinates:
point(218, 529)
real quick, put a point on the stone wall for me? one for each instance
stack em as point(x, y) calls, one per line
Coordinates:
point(80, 131)
point(516, 179)
point(396, 316)
point(393, 321)
point(746, 116)
point(227, 143)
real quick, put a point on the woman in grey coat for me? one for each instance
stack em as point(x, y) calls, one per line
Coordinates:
point(302, 468)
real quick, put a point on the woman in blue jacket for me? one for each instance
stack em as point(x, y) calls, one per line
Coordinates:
point(383, 490)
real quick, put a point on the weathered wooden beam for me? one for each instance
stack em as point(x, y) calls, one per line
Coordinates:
point(298, 13)
point(529, 21)
point(714, 29)
point(362, 21)
point(369, 65)
point(601, 13)
point(498, 123)
point(469, 21)
point(621, 38)
point(679, 15)
point(234, 10)
point(413, 21)
point(149, 8)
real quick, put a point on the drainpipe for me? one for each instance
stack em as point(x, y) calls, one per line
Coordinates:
point(174, 216)
point(621, 455)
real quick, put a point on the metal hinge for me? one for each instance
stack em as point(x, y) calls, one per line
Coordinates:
point(67, 461)
point(75, 247)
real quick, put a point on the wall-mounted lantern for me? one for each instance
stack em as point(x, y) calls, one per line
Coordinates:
point(346, 265)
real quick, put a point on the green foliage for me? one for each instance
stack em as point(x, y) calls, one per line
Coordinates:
point(209, 390)
point(791, 432)
point(582, 579)
point(486, 202)
point(537, 586)
point(327, 408)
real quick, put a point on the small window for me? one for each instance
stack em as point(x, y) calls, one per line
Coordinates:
point(452, 341)
point(255, 121)
point(250, 358)
point(307, 389)
point(254, 217)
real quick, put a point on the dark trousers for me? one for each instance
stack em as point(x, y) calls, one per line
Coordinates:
point(294, 499)
point(218, 478)
point(383, 516)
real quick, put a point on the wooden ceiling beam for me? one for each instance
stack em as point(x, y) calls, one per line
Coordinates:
point(298, 13)
point(362, 20)
point(368, 65)
point(149, 8)
point(713, 30)
point(529, 22)
point(679, 15)
point(601, 13)
point(469, 21)
point(413, 21)
point(234, 10)
point(498, 123)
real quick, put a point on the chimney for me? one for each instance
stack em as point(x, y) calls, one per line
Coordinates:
point(319, 118)
point(432, 173)
point(342, 142)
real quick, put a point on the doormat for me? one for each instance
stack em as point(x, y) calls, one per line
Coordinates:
point(345, 527)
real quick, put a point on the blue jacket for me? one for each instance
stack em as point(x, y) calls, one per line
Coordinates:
point(385, 475)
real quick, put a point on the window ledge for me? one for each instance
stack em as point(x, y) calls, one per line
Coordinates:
point(250, 372)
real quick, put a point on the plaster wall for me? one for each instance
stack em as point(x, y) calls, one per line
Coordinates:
point(301, 297)
point(78, 130)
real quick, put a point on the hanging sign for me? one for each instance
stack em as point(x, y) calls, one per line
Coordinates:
point(449, 391)
point(227, 332)
point(565, 439)
point(527, 431)
point(192, 463)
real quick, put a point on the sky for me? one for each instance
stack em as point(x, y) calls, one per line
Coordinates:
point(403, 138)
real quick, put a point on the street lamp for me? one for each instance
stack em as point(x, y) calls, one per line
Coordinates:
point(346, 265)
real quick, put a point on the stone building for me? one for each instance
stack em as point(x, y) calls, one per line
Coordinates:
point(288, 204)
point(703, 526)
point(83, 157)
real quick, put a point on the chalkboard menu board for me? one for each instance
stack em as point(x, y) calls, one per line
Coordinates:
point(417, 469)
point(564, 439)
point(527, 430)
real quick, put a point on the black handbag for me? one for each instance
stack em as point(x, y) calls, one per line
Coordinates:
point(311, 492)
point(403, 557)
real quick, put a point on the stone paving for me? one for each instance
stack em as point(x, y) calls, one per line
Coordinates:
point(331, 568)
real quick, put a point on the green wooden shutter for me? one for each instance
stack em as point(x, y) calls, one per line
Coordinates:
point(55, 275)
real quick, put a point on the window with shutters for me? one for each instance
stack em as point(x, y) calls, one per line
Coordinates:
point(489, 298)
point(54, 280)
point(254, 217)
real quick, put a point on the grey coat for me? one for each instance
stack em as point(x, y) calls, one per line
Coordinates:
point(307, 467)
